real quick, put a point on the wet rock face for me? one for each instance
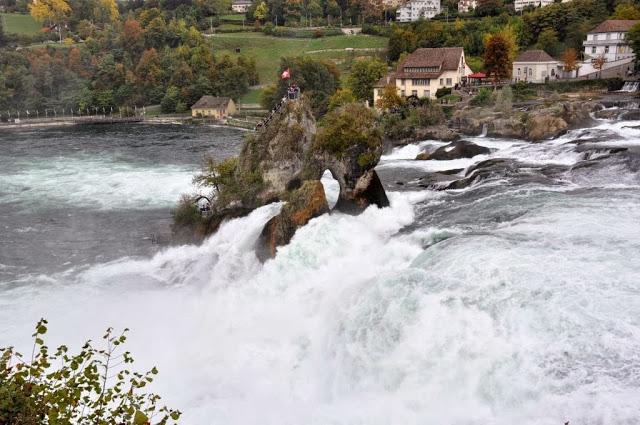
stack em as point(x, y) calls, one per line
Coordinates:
point(455, 150)
point(307, 202)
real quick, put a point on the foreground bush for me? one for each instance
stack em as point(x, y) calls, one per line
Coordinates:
point(91, 387)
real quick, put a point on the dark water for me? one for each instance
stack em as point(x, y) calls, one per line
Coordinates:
point(75, 196)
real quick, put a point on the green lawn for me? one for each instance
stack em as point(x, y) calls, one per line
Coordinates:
point(235, 17)
point(15, 23)
point(252, 97)
point(268, 50)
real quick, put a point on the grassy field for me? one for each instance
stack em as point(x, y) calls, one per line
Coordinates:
point(268, 50)
point(15, 23)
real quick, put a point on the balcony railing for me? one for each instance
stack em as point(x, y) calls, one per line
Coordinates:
point(611, 42)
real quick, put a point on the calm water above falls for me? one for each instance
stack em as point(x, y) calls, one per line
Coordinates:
point(516, 300)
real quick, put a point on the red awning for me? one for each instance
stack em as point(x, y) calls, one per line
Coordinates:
point(477, 75)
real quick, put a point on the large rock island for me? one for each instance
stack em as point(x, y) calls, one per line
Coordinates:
point(285, 161)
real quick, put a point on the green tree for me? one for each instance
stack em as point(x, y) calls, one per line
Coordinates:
point(548, 41)
point(633, 38)
point(488, 7)
point(341, 98)
point(170, 100)
point(315, 10)
point(496, 57)
point(364, 74)
point(88, 388)
point(625, 12)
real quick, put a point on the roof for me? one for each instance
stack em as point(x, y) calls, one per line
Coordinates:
point(478, 75)
point(239, 2)
point(389, 79)
point(210, 102)
point(534, 56)
point(614, 25)
point(446, 58)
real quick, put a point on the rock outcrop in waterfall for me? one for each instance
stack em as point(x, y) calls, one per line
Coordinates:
point(285, 162)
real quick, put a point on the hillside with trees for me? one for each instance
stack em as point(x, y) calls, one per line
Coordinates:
point(100, 55)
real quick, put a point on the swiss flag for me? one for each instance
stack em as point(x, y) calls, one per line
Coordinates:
point(286, 74)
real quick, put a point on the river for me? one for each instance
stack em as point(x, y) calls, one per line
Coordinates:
point(515, 300)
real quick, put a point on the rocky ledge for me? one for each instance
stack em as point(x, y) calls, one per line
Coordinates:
point(539, 122)
point(285, 162)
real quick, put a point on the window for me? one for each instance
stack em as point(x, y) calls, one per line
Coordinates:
point(608, 36)
point(442, 81)
point(449, 82)
point(402, 93)
point(518, 72)
point(606, 49)
point(414, 93)
point(427, 93)
point(595, 37)
point(593, 50)
point(421, 82)
point(553, 72)
point(530, 72)
point(422, 69)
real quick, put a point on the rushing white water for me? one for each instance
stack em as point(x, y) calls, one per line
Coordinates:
point(518, 305)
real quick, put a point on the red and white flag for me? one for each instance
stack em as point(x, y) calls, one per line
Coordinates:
point(286, 74)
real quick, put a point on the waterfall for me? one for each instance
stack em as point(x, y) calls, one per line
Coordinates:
point(630, 86)
point(485, 128)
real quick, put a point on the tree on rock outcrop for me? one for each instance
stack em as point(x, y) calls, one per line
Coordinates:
point(349, 144)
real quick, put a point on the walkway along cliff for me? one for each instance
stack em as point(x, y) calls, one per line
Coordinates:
point(285, 161)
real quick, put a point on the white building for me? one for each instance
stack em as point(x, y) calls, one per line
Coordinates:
point(416, 9)
point(521, 4)
point(464, 5)
point(608, 40)
point(240, 6)
point(534, 66)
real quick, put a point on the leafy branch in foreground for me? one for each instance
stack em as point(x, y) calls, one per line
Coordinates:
point(91, 387)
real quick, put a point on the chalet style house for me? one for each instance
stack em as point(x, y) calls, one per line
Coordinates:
point(425, 71)
point(416, 9)
point(213, 107)
point(534, 66)
point(608, 40)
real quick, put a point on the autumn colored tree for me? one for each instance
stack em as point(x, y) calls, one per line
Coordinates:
point(261, 12)
point(390, 98)
point(55, 11)
point(105, 11)
point(570, 61)
point(598, 63)
point(131, 38)
point(496, 57)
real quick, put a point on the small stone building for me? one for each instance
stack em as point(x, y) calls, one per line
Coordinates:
point(534, 66)
point(213, 107)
